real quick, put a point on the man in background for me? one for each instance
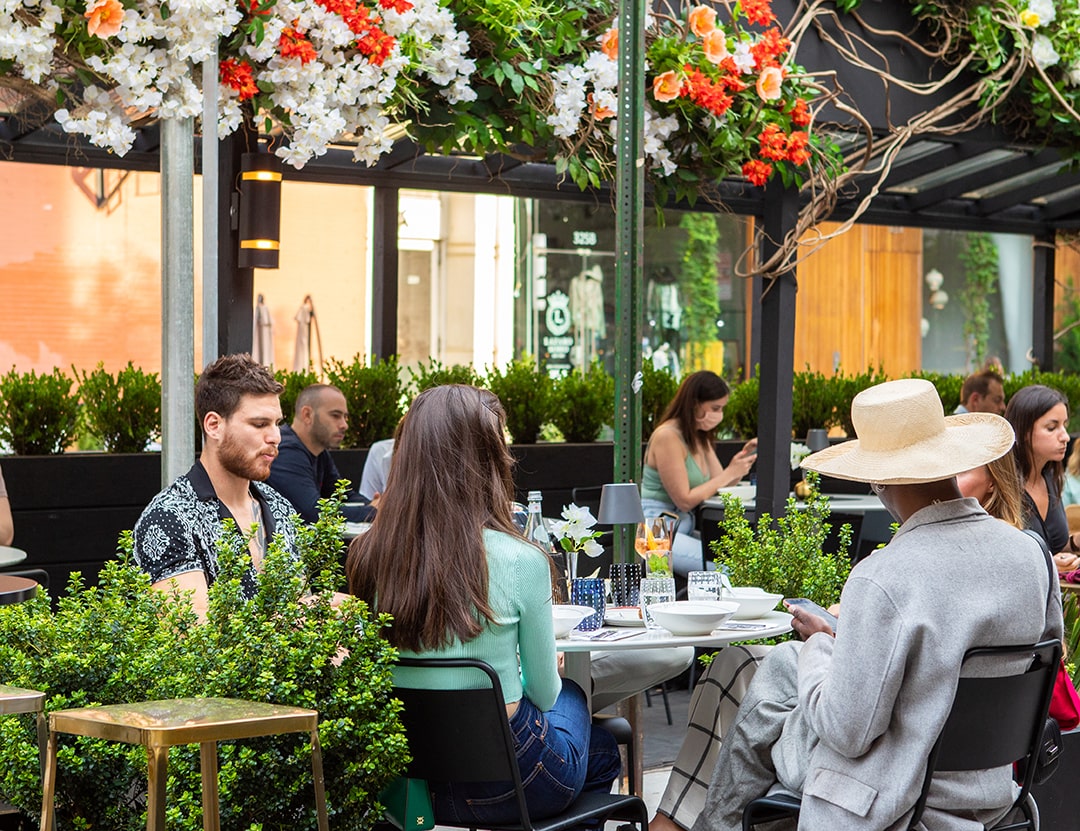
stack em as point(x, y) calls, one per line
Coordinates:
point(983, 392)
point(304, 471)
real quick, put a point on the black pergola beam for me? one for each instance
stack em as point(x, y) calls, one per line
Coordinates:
point(1035, 190)
point(948, 155)
point(384, 276)
point(981, 178)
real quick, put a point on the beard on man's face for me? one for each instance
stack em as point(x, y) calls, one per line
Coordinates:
point(242, 463)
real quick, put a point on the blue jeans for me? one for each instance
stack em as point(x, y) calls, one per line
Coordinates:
point(560, 755)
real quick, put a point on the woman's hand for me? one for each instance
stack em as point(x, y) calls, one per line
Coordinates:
point(1066, 561)
point(742, 461)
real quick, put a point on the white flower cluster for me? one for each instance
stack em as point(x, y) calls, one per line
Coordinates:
point(599, 76)
point(341, 92)
point(1037, 14)
point(27, 40)
point(575, 533)
point(152, 60)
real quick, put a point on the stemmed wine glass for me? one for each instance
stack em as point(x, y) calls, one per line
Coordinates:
point(653, 544)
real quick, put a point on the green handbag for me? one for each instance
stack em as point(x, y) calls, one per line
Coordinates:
point(408, 804)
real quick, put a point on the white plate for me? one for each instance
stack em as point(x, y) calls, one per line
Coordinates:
point(623, 616)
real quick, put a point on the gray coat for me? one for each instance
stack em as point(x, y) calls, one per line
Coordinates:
point(952, 578)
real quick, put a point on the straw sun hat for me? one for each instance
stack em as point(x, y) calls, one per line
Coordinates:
point(904, 437)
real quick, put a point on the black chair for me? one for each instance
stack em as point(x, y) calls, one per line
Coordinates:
point(994, 721)
point(464, 736)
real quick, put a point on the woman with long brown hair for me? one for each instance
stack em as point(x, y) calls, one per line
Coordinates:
point(445, 559)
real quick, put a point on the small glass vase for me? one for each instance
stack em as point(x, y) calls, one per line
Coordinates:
point(589, 591)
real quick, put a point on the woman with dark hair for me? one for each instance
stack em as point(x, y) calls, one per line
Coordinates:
point(445, 559)
point(1040, 418)
point(681, 468)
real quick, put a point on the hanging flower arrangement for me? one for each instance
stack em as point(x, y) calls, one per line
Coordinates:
point(723, 98)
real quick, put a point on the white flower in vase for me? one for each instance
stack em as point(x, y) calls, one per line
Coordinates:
point(574, 534)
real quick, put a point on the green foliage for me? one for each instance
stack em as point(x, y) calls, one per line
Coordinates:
point(813, 402)
point(39, 414)
point(583, 403)
point(374, 395)
point(525, 391)
point(980, 259)
point(293, 383)
point(434, 374)
point(1071, 607)
point(1067, 338)
point(698, 283)
point(948, 388)
point(658, 387)
point(741, 412)
point(123, 641)
point(123, 411)
point(785, 556)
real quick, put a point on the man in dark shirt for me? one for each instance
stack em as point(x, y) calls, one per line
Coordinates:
point(304, 472)
point(176, 537)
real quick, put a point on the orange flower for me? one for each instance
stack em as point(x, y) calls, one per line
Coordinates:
point(757, 172)
point(715, 46)
point(238, 75)
point(609, 43)
point(293, 44)
point(797, 151)
point(768, 83)
point(105, 17)
point(702, 20)
point(758, 11)
point(800, 113)
point(667, 86)
point(599, 113)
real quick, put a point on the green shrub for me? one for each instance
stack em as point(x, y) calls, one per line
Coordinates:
point(123, 642)
point(583, 404)
point(39, 414)
point(658, 387)
point(741, 412)
point(785, 556)
point(948, 387)
point(813, 402)
point(434, 374)
point(375, 397)
point(293, 383)
point(525, 391)
point(123, 411)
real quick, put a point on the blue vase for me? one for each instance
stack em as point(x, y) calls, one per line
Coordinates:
point(589, 591)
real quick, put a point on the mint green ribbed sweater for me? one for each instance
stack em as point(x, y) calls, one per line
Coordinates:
point(519, 592)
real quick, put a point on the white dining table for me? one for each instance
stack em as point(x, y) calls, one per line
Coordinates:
point(10, 556)
point(578, 647)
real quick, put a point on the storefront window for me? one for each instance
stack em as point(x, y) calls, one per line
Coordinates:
point(694, 305)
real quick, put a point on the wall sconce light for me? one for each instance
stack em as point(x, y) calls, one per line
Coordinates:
point(938, 297)
point(260, 210)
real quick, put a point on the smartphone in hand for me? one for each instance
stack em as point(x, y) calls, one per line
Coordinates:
point(813, 608)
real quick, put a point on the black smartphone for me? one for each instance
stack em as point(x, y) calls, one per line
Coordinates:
point(813, 608)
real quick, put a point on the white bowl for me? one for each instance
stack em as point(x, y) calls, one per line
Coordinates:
point(744, 493)
point(691, 617)
point(753, 602)
point(566, 617)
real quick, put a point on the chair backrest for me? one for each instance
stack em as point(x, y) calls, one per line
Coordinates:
point(996, 720)
point(1072, 515)
point(460, 735)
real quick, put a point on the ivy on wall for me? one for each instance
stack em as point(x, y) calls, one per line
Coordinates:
point(980, 259)
point(697, 284)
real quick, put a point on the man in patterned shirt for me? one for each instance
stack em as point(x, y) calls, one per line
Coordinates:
point(236, 401)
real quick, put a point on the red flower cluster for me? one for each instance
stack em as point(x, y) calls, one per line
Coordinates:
point(758, 11)
point(400, 6)
point(238, 75)
point(777, 146)
point(705, 92)
point(372, 41)
point(757, 172)
point(293, 44)
point(769, 48)
point(800, 113)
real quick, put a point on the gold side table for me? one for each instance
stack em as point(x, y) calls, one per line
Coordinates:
point(159, 725)
point(15, 700)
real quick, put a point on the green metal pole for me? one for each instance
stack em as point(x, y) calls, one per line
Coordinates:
point(629, 262)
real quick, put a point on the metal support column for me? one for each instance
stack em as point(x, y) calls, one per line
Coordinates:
point(1042, 303)
point(629, 255)
point(177, 297)
point(210, 209)
point(384, 273)
point(776, 323)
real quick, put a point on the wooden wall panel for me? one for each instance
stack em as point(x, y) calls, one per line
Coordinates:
point(859, 302)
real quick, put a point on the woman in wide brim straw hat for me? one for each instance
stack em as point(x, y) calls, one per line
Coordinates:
point(904, 437)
